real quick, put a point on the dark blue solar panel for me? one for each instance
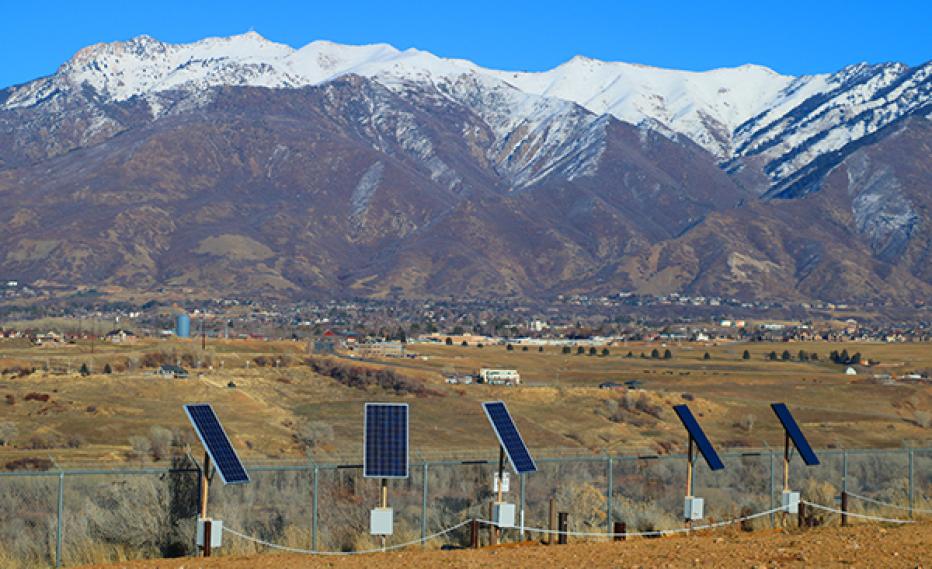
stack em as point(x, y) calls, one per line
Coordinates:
point(509, 437)
point(385, 440)
point(216, 443)
point(796, 435)
point(698, 436)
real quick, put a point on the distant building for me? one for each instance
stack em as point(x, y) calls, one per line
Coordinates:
point(499, 376)
point(172, 371)
point(380, 350)
point(120, 336)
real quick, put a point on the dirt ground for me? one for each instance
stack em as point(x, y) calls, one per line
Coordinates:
point(860, 546)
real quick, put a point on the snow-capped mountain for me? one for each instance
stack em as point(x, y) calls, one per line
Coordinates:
point(784, 122)
point(371, 170)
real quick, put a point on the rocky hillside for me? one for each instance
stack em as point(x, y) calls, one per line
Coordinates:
point(240, 166)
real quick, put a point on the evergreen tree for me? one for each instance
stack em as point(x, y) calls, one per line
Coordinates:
point(843, 358)
point(856, 358)
point(523, 348)
point(803, 356)
point(604, 351)
point(449, 341)
point(510, 348)
point(464, 343)
point(592, 351)
point(540, 348)
point(655, 354)
point(85, 371)
point(772, 356)
point(746, 355)
point(580, 350)
point(707, 356)
point(567, 349)
point(108, 369)
point(630, 355)
point(814, 357)
point(786, 355)
point(667, 354)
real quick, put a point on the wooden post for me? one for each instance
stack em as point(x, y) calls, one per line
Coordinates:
point(207, 528)
point(205, 482)
point(552, 526)
point(501, 473)
point(474, 534)
point(844, 509)
point(383, 496)
point(801, 520)
point(493, 533)
point(564, 524)
point(620, 528)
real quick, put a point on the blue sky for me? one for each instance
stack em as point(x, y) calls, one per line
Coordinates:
point(790, 36)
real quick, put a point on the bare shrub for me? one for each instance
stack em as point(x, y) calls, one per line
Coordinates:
point(923, 419)
point(312, 434)
point(141, 447)
point(8, 432)
point(160, 442)
point(360, 377)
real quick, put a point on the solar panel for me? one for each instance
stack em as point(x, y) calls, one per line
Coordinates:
point(509, 437)
point(385, 440)
point(698, 435)
point(216, 443)
point(796, 435)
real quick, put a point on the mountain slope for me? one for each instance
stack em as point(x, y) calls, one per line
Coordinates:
point(237, 165)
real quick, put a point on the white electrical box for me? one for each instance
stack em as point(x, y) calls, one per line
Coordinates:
point(216, 532)
point(790, 502)
point(693, 508)
point(381, 521)
point(506, 477)
point(503, 514)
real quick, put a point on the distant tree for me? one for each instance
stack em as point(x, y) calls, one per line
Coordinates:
point(311, 435)
point(567, 349)
point(834, 356)
point(746, 355)
point(449, 341)
point(630, 355)
point(540, 348)
point(592, 351)
point(855, 359)
point(604, 351)
point(457, 330)
point(523, 348)
point(655, 354)
point(510, 348)
point(814, 357)
point(667, 354)
point(479, 345)
point(580, 350)
point(803, 356)
point(706, 356)
point(108, 369)
point(85, 371)
point(464, 343)
point(8, 432)
point(644, 356)
point(772, 356)
point(786, 356)
point(843, 357)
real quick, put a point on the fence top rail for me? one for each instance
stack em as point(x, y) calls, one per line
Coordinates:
point(476, 460)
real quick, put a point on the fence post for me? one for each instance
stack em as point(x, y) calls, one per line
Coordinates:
point(844, 509)
point(773, 523)
point(314, 517)
point(909, 454)
point(844, 470)
point(424, 510)
point(61, 508)
point(611, 483)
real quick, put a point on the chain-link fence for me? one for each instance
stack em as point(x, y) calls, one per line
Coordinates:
point(71, 517)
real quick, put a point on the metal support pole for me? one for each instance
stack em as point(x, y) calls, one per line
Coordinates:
point(523, 480)
point(909, 462)
point(689, 476)
point(424, 509)
point(205, 486)
point(61, 511)
point(314, 517)
point(608, 506)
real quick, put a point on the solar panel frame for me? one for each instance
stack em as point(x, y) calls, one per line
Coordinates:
point(376, 468)
point(515, 448)
point(223, 456)
point(699, 437)
point(795, 433)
